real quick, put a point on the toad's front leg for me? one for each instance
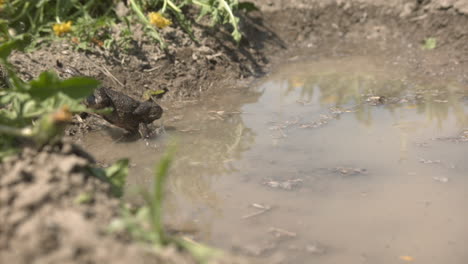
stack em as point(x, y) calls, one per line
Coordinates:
point(144, 130)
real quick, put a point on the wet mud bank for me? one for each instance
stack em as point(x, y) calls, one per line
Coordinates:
point(40, 222)
point(281, 30)
point(341, 28)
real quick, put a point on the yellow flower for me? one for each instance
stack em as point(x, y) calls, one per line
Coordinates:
point(2, 3)
point(158, 20)
point(61, 28)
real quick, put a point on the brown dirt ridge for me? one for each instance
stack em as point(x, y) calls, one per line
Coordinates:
point(40, 222)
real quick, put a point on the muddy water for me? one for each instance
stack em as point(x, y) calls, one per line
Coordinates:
point(341, 160)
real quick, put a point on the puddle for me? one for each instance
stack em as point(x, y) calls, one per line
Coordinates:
point(335, 161)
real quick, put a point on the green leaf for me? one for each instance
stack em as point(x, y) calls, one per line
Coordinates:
point(31, 109)
point(186, 25)
point(117, 175)
point(84, 198)
point(54, 102)
point(6, 48)
point(233, 20)
point(155, 200)
point(248, 6)
point(18, 43)
point(79, 87)
point(8, 97)
point(147, 95)
point(117, 225)
point(47, 85)
point(7, 117)
point(202, 253)
point(430, 44)
point(149, 29)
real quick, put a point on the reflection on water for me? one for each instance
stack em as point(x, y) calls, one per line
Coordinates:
point(335, 161)
point(347, 85)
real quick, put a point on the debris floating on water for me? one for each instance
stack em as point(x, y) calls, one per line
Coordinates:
point(263, 209)
point(375, 100)
point(441, 179)
point(278, 232)
point(285, 185)
point(315, 249)
point(426, 161)
point(350, 171)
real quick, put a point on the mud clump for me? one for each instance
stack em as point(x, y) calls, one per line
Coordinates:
point(42, 219)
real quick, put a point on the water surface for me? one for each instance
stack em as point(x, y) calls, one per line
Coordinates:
point(341, 160)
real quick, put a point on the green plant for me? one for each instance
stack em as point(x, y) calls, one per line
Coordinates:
point(37, 18)
point(221, 11)
point(145, 223)
point(90, 24)
point(430, 44)
point(89, 32)
point(84, 198)
point(37, 110)
point(148, 27)
point(115, 175)
point(123, 41)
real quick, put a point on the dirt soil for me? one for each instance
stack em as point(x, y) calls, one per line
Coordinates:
point(40, 222)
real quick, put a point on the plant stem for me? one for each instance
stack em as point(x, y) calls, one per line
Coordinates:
point(200, 3)
point(26, 132)
point(173, 6)
point(163, 9)
point(235, 33)
point(148, 26)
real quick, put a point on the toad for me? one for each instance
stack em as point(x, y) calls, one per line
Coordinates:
point(127, 113)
